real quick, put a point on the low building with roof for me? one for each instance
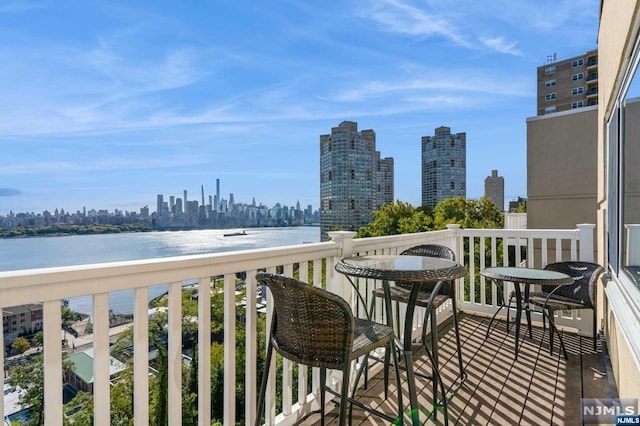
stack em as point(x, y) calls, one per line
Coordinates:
point(81, 376)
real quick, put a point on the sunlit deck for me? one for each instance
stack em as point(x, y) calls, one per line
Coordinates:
point(537, 388)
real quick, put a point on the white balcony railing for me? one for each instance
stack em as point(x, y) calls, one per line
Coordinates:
point(50, 286)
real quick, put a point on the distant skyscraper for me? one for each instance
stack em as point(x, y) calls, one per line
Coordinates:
point(186, 208)
point(353, 179)
point(494, 189)
point(217, 195)
point(444, 166)
point(387, 181)
point(159, 205)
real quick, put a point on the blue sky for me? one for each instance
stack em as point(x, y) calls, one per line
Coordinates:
point(107, 104)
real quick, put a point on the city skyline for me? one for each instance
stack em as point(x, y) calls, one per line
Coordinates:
point(105, 104)
point(152, 205)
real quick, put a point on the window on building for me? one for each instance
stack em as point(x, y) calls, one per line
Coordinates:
point(433, 146)
point(623, 146)
point(550, 83)
point(550, 109)
point(330, 206)
point(453, 185)
point(578, 76)
point(453, 163)
point(577, 63)
point(463, 186)
point(461, 163)
point(550, 70)
point(353, 174)
point(550, 96)
point(352, 204)
point(330, 175)
point(353, 144)
point(577, 90)
point(578, 104)
point(329, 146)
point(453, 142)
point(368, 174)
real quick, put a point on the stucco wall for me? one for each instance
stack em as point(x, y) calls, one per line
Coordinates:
point(562, 169)
point(616, 37)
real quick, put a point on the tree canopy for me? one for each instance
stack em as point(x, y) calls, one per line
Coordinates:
point(402, 218)
point(396, 218)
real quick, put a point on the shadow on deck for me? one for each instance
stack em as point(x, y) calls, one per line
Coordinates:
point(536, 389)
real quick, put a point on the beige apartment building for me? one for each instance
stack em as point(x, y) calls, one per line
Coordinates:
point(21, 319)
point(618, 217)
point(568, 83)
point(561, 169)
point(582, 168)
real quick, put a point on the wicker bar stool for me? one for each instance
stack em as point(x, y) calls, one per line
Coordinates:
point(314, 327)
point(579, 295)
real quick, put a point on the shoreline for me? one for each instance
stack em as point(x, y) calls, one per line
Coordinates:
point(60, 231)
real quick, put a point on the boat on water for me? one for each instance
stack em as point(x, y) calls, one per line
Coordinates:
point(233, 234)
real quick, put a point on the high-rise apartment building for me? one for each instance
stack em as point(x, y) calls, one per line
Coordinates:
point(494, 189)
point(354, 181)
point(444, 166)
point(386, 181)
point(568, 84)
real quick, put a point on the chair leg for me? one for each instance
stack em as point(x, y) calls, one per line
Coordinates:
point(463, 375)
point(387, 358)
point(263, 386)
point(595, 331)
point(394, 354)
point(552, 328)
point(434, 351)
point(323, 393)
point(508, 312)
point(344, 394)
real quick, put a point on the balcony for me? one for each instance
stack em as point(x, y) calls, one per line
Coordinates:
point(536, 386)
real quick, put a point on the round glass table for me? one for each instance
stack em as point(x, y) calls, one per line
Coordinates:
point(414, 270)
point(527, 277)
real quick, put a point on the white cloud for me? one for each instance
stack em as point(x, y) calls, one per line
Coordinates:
point(499, 44)
point(401, 17)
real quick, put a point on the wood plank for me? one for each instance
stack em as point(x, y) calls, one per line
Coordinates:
point(537, 388)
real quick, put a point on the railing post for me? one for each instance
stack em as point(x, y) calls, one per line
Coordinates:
point(455, 233)
point(340, 286)
point(585, 234)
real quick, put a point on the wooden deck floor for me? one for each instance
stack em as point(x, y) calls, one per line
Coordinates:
point(536, 389)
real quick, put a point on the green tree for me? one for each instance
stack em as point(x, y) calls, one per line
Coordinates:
point(122, 398)
point(396, 218)
point(79, 411)
point(159, 404)
point(38, 338)
point(20, 345)
point(522, 207)
point(480, 213)
point(30, 377)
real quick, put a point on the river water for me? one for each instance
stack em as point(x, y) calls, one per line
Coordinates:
point(31, 253)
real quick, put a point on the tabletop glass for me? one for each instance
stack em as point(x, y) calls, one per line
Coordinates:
point(527, 275)
point(399, 262)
